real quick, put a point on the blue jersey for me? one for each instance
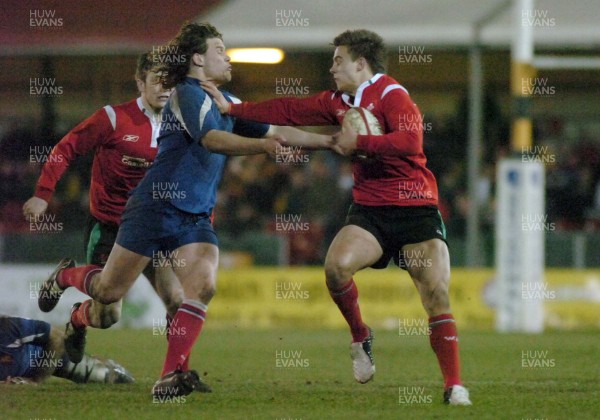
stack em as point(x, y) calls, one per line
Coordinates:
point(22, 344)
point(185, 173)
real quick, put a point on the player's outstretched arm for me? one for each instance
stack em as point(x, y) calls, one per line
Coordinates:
point(296, 137)
point(231, 144)
point(314, 110)
point(79, 141)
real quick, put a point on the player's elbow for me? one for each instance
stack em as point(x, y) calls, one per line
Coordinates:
point(211, 141)
point(412, 149)
point(410, 145)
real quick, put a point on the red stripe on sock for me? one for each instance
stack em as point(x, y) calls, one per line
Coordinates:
point(192, 310)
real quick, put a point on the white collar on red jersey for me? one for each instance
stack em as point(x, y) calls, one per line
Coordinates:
point(147, 112)
point(363, 85)
point(358, 97)
point(155, 120)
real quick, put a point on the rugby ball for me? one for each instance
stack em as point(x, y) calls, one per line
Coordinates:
point(363, 122)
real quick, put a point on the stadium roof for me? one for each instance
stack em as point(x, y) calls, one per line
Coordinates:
point(424, 22)
point(72, 27)
point(126, 26)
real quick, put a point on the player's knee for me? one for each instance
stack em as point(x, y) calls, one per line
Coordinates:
point(203, 291)
point(107, 296)
point(435, 297)
point(339, 269)
point(207, 292)
point(173, 306)
point(172, 300)
point(110, 316)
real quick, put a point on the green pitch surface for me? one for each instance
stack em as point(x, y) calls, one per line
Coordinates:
point(306, 374)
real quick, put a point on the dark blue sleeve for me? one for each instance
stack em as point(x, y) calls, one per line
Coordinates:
point(250, 128)
point(194, 106)
point(16, 331)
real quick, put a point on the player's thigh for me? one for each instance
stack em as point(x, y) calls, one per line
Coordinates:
point(428, 263)
point(195, 265)
point(353, 249)
point(121, 271)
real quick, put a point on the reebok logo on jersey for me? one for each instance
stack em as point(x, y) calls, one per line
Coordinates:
point(340, 112)
point(131, 137)
point(371, 106)
point(451, 338)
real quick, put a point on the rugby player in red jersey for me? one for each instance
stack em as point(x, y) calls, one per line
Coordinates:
point(394, 212)
point(123, 138)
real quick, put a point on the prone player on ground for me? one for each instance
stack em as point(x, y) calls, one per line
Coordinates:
point(32, 350)
point(123, 138)
point(394, 212)
point(190, 163)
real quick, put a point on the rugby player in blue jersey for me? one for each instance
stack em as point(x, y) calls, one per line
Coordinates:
point(169, 211)
point(32, 350)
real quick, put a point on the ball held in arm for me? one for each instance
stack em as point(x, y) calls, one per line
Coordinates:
point(363, 122)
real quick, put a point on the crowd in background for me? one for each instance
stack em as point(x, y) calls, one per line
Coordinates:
point(314, 194)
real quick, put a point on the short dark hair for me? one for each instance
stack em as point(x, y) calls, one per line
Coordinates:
point(366, 44)
point(190, 40)
point(144, 65)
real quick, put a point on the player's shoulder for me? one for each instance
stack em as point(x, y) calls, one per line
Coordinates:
point(231, 97)
point(190, 91)
point(387, 85)
point(331, 94)
point(125, 106)
point(330, 97)
point(130, 108)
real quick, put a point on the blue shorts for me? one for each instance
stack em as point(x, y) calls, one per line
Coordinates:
point(22, 346)
point(151, 227)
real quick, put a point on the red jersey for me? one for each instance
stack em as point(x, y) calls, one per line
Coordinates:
point(123, 138)
point(399, 176)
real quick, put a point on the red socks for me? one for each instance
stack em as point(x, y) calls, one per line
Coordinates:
point(346, 299)
point(444, 342)
point(186, 365)
point(188, 320)
point(78, 277)
point(443, 338)
point(80, 318)
point(167, 331)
